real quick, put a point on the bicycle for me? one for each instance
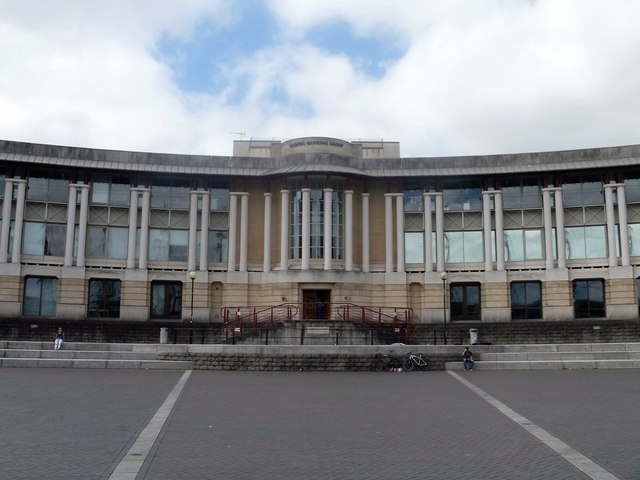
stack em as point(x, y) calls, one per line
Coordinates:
point(387, 362)
point(416, 360)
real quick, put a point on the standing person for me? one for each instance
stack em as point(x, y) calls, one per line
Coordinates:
point(57, 344)
point(467, 359)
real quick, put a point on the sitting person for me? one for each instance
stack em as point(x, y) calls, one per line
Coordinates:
point(467, 359)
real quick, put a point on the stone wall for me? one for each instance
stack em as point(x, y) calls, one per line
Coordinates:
point(292, 361)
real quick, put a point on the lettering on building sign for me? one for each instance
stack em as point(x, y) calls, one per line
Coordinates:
point(306, 143)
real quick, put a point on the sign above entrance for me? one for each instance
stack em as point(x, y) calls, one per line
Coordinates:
point(317, 145)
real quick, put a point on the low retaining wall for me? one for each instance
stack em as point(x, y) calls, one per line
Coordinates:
point(302, 358)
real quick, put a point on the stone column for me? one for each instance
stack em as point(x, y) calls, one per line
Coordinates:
point(562, 251)
point(440, 260)
point(611, 224)
point(133, 228)
point(144, 228)
point(388, 232)
point(82, 225)
point(19, 220)
point(193, 231)
point(71, 226)
point(204, 232)
point(548, 228)
point(348, 230)
point(400, 231)
point(328, 197)
point(499, 231)
point(6, 219)
point(486, 227)
point(244, 231)
point(284, 230)
point(624, 233)
point(306, 227)
point(233, 228)
point(266, 243)
point(365, 232)
point(428, 228)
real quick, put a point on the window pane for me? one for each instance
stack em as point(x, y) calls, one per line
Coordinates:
point(219, 199)
point(533, 244)
point(596, 241)
point(157, 299)
point(158, 244)
point(99, 192)
point(104, 298)
point(453, 247)
point(160, 196)
point(574, 242)
point(31, 305)
point(180, 197)
point(513, 246)
point(178, 245)
point(118, 241)
point(120, 194)
point(55, 240)
point(95, 241)
point(58, 191)
point(37, 188)
point(34, 235)
point(634, 238)
point(218, 244)
point(473, 247)
point(414, 247)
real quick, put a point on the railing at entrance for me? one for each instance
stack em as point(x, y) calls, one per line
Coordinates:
point(238, 319)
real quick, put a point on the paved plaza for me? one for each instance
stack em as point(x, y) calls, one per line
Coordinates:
point(81, 424)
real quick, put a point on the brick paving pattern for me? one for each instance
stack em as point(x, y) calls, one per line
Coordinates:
point(68, 424)
point(73, 424)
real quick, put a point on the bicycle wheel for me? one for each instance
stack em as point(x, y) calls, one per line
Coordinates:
point(427, 364)
point(408, 365)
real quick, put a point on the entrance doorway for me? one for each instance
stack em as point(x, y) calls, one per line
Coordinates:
point(316, 304)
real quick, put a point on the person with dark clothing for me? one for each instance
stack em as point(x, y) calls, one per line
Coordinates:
point(57, 344)
point(467, 359)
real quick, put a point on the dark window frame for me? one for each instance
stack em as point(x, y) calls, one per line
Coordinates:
point(468, 312)
point(526, 311)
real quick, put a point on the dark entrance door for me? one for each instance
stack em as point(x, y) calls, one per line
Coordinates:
point(316, 304)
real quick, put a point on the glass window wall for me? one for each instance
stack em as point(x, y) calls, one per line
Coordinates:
point(40, 296)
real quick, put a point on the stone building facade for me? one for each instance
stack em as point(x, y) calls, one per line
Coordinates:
point(89, 234)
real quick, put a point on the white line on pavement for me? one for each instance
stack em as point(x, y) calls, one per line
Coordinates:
point(130, 465)
point(590, 468)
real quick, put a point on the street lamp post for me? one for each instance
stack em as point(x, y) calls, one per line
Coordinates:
point(443, 276)
point(192, 275)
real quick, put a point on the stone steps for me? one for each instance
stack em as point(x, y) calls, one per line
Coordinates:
point(89, 355)
point(555, 357)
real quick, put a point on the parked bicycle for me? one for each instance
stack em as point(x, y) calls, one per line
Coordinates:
point(416, 361)
point(387, 362)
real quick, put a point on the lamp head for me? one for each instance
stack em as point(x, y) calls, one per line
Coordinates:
point(443, 276)
point(193, 274)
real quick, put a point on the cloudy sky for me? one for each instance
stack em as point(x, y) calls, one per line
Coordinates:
point(443, 77)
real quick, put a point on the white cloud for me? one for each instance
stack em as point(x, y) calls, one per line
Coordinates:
point(475, 77)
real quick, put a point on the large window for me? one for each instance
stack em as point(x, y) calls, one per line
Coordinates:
point(586, 242)
point(110, 191)
point(40, 294)
point(44, 238)
point(462, 196)
point(40, 188)
point(317, 208)
point(170, 194)
point(521, 194)
point(170, 245)
point(104, 298)
point(465, 301)
point(166, 299)
point(526, 300)
point(588, 298)
point(463, 247)
point(582, 190)
point(520, 245)
point(107, 242)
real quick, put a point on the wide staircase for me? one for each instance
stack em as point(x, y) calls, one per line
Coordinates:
point(89, 355)
point(554, 357)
